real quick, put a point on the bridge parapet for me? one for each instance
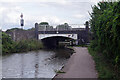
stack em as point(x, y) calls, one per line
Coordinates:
point(81, 34)
point(54, 29)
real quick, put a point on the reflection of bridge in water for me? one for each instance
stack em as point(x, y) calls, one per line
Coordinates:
point(52, 37)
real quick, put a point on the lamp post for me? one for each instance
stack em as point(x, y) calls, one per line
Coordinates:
point(21, 21)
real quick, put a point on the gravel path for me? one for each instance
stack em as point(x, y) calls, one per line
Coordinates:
point(80, 65)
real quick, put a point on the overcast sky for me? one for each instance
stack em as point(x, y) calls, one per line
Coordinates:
point(53, 11)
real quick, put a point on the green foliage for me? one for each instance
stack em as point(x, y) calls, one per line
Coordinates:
point(9, 30)
point(59, 71)
point(27, 45)
point(6, 43)
point(9, 46)
point(44, 23)
point(64, 26)
point(104, 69)
point(105, 25)
point(31, 29)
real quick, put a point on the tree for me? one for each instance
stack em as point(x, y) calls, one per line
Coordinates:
point(64, 26)
point(105, 25)
point(7, 43)
point(44, 23)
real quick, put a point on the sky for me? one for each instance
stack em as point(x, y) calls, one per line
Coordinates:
point(55, 12)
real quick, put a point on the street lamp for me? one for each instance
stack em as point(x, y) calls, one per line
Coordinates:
point(21, 21)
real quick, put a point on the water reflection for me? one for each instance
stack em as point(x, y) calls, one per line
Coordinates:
point(39, 64)
point(36, 65)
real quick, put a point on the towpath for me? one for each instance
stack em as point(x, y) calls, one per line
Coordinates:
point(80, 65)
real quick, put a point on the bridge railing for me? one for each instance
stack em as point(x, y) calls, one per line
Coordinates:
point(54, 29)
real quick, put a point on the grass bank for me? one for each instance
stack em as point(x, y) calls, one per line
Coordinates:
point(10, 46)
point(106, 70)
point(105, 36)
point(22, 46)
point(27, 45)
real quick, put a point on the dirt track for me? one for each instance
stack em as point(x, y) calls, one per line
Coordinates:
point(80, 65)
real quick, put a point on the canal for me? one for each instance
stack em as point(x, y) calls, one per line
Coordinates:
point(34, 64)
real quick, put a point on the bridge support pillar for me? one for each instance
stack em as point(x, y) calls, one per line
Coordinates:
point(36, 31)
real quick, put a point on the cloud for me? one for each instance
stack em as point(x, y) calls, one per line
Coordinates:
point(52, 11)
point(9, 15)
point(78, 16)
point(53, 20)
point(57, 1)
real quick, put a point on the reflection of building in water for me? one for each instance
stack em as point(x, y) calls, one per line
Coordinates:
point(22, 66)
point(36, 65)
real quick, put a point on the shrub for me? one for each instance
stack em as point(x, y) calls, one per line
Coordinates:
point(105, 26)
point(6, 43)
point(9, 46)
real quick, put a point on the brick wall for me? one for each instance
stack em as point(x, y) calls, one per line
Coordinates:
point(18, 35)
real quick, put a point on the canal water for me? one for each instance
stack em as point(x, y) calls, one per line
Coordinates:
point(35, 64)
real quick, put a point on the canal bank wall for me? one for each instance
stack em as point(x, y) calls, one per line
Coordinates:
point(80, 65)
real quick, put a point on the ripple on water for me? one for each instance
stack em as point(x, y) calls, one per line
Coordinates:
point(40, 64)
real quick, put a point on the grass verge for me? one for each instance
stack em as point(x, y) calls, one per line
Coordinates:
point(59, 71)
point(104, 68)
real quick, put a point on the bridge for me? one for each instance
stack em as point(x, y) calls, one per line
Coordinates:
point(53, 36)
